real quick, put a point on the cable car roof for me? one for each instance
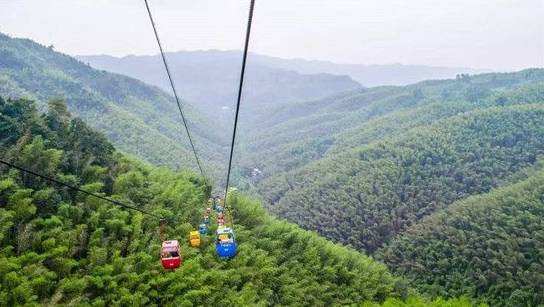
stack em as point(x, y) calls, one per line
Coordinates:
point(171, 243)
point(224, 231)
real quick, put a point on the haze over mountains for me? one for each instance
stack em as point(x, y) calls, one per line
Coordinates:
point(371, 74)
point(209, 78)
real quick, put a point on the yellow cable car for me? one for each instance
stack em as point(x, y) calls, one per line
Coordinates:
point(194, 238)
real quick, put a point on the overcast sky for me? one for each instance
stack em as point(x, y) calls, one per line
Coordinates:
point(495, 34)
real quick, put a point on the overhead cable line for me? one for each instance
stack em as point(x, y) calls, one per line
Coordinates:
point(115, 202)
point(173, 88)
point(240, 88)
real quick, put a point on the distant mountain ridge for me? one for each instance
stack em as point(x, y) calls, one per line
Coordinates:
point(209, 79)
point(371, 75)
point(367, 75)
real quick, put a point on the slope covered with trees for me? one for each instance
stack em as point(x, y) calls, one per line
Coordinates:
point(60, 247)
point(295, 134)
point(365, 196)
point(489, 246)
point(137, 118)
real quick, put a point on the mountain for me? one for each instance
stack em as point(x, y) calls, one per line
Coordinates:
point(370, 75)
point(209, 79)
point(365, 196)
point(489, 246)
point(383, 169)
point(58, 247)
point(363, 167)
point(136, 117)
point(295, 134)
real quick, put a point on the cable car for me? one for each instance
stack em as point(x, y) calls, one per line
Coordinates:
point(206, 219)
point(208, 211)
point(170, 255)
point(219, 209)
point(194, 238)
point(225, 245)
point(202, 229)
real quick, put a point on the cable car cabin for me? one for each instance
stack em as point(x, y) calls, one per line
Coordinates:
point(202, 229)
point(206, 220)
point(219, 209)
point(194, 238)
point(208, 211)
point(170, 255)
point(225, 244)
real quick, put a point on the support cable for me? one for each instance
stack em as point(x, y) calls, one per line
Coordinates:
point(173, 88)
point(240, 88)
point(115, 202)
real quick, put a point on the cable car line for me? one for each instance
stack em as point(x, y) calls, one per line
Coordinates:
point(173, 88)
point(226, 244)
point(115, 202)
point(240, 87)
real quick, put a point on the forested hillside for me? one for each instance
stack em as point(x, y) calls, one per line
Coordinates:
point(489, 246)
point(366, 196)
point(58, 247)
point(393, 171)
point(136, 117)
point(294, 134)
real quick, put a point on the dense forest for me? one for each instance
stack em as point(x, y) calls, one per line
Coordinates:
point(138, 118)
point(409, 159)
point(366, 196)
point(291, 135)
point(441, 180)
point(489, 246)
point(61, 247)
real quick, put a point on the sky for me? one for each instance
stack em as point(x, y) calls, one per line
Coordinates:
point(487, 34)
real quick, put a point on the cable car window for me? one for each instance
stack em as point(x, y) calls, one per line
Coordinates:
point(170, 253)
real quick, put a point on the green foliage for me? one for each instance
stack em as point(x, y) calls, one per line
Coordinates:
point(290, 135)
point(76, 250)
point(138, 118)
point(366, 196)
point(371, 164)
point(419, 302)
point(489, 246)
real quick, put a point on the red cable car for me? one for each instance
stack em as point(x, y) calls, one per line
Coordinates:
point(170, 255)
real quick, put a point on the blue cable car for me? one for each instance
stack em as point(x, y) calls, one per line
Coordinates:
point(206, 220)
point(219, 209)
point(202, 229)
point(225, 244)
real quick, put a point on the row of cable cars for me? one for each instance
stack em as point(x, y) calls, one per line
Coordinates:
point(225, 245)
